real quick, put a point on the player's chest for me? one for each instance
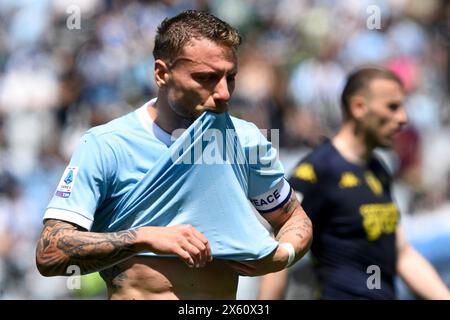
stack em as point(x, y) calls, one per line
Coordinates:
point(360, 202)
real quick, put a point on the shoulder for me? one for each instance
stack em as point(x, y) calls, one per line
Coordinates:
point(110, 136)
point(248, 133)
point(321, 153)
point(105, 141)
point(321, 160)
point(116, 127)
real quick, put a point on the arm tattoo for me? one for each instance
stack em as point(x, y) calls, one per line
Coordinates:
point(61, 244)
point(289, 207)
point(297, 225)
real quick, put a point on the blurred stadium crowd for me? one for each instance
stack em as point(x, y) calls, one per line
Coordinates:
point(55, 82)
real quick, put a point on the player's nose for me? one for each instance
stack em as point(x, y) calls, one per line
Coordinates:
point(402, 116)
point(221, 91)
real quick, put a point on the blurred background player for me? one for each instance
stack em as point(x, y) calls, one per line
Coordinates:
point(358, 245)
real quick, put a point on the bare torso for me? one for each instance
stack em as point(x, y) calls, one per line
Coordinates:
point(170, 278)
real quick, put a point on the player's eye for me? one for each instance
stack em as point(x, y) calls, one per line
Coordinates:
point(204, 77)
point(393, 106)
point(231, 78)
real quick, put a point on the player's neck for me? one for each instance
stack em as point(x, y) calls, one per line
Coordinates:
point(352, 145)
point(164, 118)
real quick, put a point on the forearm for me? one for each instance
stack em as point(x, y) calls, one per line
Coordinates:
point(292, 227)
point(420, 275)
point(62, 245)
point(297, 230)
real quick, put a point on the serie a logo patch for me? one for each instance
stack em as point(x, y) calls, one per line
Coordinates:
point(66, 183)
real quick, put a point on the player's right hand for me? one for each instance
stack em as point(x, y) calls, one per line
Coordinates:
point(190, 245)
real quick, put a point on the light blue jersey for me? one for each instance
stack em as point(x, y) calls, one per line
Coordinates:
point(129, 173)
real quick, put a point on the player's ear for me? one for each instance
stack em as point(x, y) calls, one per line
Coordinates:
point(358, 106)
point(161, 73)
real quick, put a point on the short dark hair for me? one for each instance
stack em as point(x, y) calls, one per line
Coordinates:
point(174, 33)
point(359, 81)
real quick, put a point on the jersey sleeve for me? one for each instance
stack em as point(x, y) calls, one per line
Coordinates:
point(305, 182)
point(83, 184)
point(268, 190)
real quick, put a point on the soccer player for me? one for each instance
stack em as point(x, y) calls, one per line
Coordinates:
point(162, 229)
point(358, 245)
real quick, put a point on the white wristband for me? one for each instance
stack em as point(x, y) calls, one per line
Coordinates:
point(290, 249)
